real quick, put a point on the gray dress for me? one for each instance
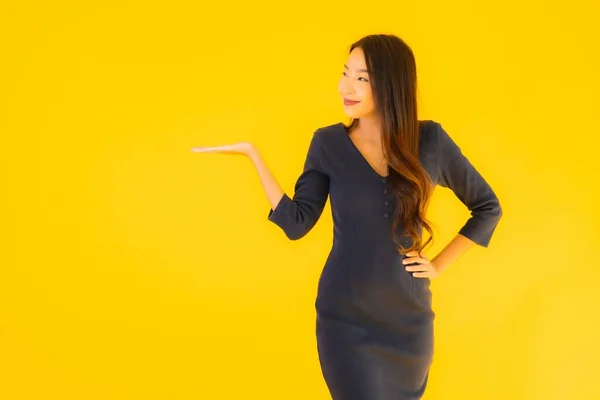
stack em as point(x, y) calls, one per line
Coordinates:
point(374, 325)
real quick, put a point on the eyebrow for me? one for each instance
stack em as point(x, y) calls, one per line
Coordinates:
point(359, 70)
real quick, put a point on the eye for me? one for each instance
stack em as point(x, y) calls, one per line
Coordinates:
point(365, 79)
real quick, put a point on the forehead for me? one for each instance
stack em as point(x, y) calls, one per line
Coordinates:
point(356, 60)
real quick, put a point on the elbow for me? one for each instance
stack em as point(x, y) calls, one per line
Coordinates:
point(491, 209)
point(295, 234)
point(492, 212)
point(294, 219)
point(498, 210)
point(483, 222)
point(294, 237)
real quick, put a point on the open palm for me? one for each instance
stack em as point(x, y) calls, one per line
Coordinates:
point(244, 148)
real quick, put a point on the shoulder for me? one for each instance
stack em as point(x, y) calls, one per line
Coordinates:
point(429, 135)
point(428, 130)
point(435, 136)
point(331, 129)
point(326, 135)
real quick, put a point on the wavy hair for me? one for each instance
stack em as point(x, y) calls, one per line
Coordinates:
point(393, 78)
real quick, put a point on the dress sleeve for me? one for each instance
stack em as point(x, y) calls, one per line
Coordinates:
point(296, 216)
point(457, 173)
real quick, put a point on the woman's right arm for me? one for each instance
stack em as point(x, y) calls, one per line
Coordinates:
point(272, 189)
point(296, 216)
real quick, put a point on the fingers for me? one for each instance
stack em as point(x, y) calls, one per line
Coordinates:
point(234, 148)
point(207, 149)
point(415, 253)
point(415, 257)
point(421, 271)
point(411, 260)
point(421, 265)
point(216, 149)
point(423, 274)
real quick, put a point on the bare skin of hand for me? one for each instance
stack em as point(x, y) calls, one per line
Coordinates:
point(244, 148)
point(423, 268)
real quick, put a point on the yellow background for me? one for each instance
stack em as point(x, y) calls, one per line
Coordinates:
point(133, 268)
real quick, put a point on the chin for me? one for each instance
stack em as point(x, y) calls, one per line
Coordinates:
point(352, 114)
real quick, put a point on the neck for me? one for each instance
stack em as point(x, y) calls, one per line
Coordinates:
point(370, 128)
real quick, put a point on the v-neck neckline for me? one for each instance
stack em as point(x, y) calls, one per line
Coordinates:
point(360, 154)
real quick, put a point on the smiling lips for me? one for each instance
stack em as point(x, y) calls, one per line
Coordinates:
point(349, 102)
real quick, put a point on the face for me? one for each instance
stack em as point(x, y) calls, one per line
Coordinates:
point(355, 86)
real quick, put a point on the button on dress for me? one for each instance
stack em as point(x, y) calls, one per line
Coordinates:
point(374, 323)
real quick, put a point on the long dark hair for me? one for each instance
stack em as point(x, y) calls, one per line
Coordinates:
point(393, 77)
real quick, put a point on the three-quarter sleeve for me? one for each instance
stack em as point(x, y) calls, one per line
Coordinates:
point(296, 216)
point(457, 173)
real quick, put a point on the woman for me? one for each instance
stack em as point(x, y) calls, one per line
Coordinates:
point(374, 315)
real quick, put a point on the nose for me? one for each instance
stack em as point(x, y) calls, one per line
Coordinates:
point(347, 90)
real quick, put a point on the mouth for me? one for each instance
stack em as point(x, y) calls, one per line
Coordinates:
point(349, 102)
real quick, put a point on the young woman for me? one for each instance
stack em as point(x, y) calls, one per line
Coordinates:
point(374, 316)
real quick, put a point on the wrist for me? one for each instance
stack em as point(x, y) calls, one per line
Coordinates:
point(253, 153)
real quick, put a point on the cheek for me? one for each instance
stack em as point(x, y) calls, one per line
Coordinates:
point(365, 108)
point(366, 98)
point(369, 99)
point(341, 86)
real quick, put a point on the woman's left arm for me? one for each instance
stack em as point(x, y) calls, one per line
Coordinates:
point(458, 174)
